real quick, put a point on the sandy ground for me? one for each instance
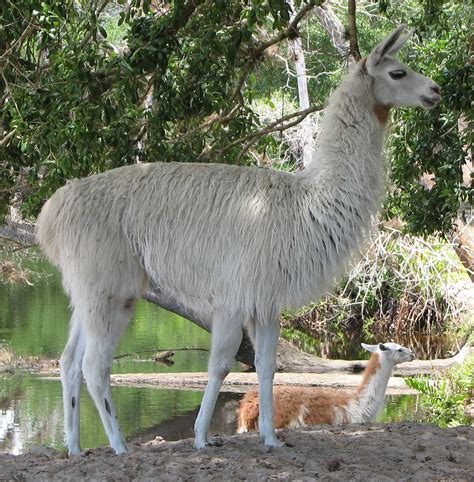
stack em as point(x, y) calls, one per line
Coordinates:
point(405, 451)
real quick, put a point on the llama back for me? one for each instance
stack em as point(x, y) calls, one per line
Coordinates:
point(203, 233)
point(297, 407)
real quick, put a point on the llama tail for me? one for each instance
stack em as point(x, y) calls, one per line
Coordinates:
point(247, 413)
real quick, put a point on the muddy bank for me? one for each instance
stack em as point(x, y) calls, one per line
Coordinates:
point(360, 452)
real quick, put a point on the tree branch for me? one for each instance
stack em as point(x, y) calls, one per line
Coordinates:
point(99, 10)
point(22, 234)
point(7, 137)
point(213, 119)
point(257, 51)
point(273, 127)
point(334, 28)
point(352, 27)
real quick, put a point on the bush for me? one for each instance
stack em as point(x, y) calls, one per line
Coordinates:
point(403, 284)
point(448, 397)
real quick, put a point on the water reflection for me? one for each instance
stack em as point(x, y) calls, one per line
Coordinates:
point(31, 414)
point(347, 345)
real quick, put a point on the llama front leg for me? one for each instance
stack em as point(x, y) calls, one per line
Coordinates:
point(266, 340)
point(71, 380)
point(226, 338)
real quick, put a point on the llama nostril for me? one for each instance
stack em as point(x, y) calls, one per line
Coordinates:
point(435, 88)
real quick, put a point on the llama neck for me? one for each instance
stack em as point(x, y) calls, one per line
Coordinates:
point(370, 393)
point(350, 143)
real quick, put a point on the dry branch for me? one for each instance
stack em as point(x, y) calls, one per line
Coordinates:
point(275, 126)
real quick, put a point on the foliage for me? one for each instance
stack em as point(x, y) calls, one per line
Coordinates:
point(74, 104)
point(91, 85)
point(435, 143)
point(445, 398)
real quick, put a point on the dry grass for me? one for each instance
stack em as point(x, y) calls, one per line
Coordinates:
point(12, 273)
point(6, 356)
point(401, 284)
point(12, 363)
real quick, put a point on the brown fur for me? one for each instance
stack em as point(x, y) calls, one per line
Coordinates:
point(314, 406)
point(370, 369)
point(311, 406)
point(382, 112)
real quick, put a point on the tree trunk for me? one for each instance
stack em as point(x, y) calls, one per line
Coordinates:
point(303, 95)
point(245, 354)
point(354, 44)
point(334, 28)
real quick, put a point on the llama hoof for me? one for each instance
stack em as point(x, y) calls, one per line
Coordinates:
point(74, 452)
point(273, 442)
point(122, 450)
point(200, 443)
point(209, 442)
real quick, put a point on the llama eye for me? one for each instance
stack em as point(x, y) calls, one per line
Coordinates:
point(397, 74)
point(400, 349)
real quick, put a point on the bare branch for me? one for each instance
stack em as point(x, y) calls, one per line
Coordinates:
point(19, 40)
point(334, 28)
point(7, 137)
point(276, 126)
point(135, 353)
point(214, 119)
point(351, 17)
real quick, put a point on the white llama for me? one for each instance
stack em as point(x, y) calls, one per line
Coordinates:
point(305, 406)
point(234, 245)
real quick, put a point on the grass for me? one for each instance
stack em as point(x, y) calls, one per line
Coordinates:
point(6, 356)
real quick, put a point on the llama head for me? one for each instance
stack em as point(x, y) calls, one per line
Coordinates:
point(393, 83)
point(392, 352)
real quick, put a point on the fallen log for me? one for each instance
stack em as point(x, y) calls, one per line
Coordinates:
point(290, 360)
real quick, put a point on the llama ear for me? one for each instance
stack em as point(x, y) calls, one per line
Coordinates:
point(391, 45)
point(399, 43)
point(382, 347)
point(371, 348)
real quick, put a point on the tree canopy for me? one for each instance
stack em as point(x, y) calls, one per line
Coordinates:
point(91, 85)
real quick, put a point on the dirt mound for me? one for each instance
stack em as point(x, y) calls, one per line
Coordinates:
point(359, 452)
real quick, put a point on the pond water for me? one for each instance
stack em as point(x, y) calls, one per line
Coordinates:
point(34, 321)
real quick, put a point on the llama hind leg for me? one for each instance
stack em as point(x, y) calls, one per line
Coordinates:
point(226, 338)
point(266, 340)
point(71, 380)
point(102, 336)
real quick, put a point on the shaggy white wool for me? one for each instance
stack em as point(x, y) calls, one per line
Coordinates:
point(233, 245)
